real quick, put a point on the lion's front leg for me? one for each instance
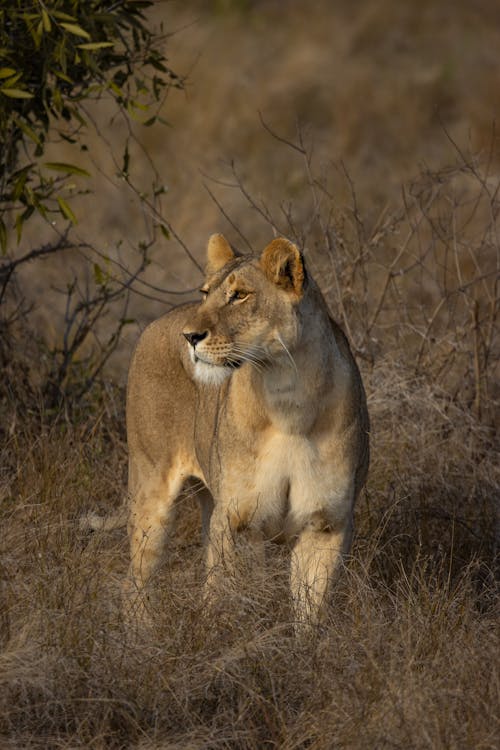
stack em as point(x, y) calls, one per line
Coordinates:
point(316, 558)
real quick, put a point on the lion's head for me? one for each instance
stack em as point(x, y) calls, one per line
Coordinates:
point(250, 309)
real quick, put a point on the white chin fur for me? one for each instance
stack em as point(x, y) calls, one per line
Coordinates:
point(210, 374)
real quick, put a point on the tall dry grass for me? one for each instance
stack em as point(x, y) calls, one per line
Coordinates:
point(407, 656)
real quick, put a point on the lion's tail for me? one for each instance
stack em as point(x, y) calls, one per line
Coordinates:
point(95, 522)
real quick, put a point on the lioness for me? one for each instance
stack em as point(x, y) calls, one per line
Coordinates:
point(255, 392)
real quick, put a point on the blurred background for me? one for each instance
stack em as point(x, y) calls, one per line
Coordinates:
point(379, 85)
point(376, 92)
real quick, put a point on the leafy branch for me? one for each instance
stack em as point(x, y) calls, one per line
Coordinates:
point(55, 56)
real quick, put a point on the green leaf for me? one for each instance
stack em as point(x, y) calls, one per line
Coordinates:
point(7, 72)
point(19, 185)
point(46, 20)
point(28, 131)
point(137, 105)
point(60, 166)
point(66, 211)
point(164, 231)
point(98, 274)
point(73, 28)
point(63, 76)
point(40, 207)
point(116, 89)
point(20, 219)
point(3, 237)
point(63, 16)
point(10, 82)
point(95, 45)
point(16, 93)
point(157, 64)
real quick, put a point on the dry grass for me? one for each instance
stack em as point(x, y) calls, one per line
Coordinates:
point(407, 658)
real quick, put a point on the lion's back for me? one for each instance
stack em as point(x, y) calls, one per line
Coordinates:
point(358, 407)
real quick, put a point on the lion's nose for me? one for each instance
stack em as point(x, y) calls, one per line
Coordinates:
point(195, 338)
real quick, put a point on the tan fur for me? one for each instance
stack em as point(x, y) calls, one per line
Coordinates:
point(255, 393)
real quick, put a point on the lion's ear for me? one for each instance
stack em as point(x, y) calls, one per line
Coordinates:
point(282, 263)
point(219, 253)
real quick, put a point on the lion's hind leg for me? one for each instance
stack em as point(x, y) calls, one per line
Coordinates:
point(151, 518)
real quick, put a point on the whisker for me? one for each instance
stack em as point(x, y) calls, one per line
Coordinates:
point(247, 352)
point(252, 351)
point(288, 354)
point(252, 362)
point(242, 356)
point(247, 355)
point(246, 345)
point(255, 354)
point(257, 363)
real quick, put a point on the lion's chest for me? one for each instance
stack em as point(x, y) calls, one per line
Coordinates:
point(289, 478)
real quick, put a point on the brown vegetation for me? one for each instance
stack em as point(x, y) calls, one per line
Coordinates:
point(407, 658)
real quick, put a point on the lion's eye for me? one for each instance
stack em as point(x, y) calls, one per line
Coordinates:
point(238, 296)
point(204, 292)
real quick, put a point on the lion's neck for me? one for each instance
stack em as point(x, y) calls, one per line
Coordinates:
point(295, 386)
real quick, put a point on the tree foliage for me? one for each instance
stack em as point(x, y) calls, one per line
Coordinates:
point(56, 56)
